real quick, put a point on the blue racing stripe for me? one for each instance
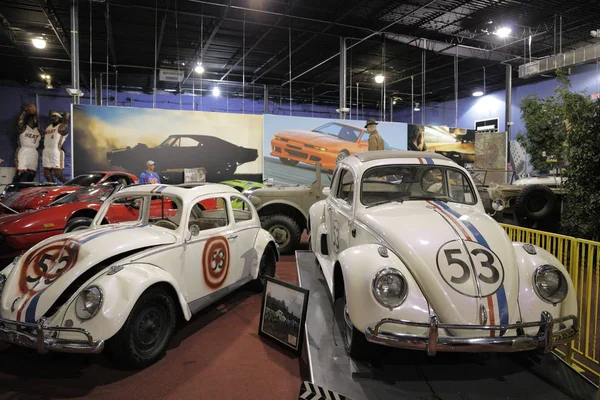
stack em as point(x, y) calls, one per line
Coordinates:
point(160, 189)
point(501, 293)
point(429, 160)
point(30, 313)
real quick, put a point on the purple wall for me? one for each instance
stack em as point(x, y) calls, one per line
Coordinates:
point(470, 109)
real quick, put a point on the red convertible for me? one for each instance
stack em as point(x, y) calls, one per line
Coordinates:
point(37, 197)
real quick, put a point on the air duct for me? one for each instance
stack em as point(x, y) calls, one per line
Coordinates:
point(571, 58)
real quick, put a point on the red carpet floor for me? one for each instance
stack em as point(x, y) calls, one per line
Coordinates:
point(217, 355)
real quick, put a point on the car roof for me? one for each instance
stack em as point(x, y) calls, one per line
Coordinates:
point(197, 137)
point(183, 191)
point(382, 157)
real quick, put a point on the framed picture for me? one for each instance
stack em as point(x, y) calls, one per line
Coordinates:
point(283, 313)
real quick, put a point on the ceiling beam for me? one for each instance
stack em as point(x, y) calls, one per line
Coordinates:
point(57, 27)
point(288, 9)
point(7, 29)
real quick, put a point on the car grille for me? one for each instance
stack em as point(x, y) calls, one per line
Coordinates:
point(290, 146)
point(315, 158)
point(296, 153)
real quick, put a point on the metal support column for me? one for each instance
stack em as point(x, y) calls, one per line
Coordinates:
point(342, 78)
point(75, 50)
point(508, 123)
point(266, 95)
point(98, 86)
point(391, 109)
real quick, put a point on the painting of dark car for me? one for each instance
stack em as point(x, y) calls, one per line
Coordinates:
point(218, 157)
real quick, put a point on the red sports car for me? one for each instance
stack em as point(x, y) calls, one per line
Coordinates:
point(75, 211)
point(37, 197)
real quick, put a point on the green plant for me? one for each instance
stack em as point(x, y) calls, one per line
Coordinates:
point(566, 126)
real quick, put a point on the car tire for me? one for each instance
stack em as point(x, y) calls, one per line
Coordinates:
point(144, 337)
point(341, 155)
point(285, 230)
point(355, 342)
point(287, 161)
point(78, 224)
point(267, 268)
point(535, 203)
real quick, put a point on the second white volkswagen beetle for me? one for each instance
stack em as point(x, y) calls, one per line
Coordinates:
point(123, 286)
point(404, 241)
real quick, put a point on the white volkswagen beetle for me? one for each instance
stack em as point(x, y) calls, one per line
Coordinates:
point(125, 285)
point(404, 240)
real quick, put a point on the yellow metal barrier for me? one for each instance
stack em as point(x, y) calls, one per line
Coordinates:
point(582, 260)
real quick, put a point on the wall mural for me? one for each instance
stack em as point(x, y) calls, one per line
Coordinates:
point(457, 144)
point(227, 146)
point(293, 145)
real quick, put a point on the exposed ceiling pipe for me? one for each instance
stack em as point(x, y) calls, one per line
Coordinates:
point(362, 40)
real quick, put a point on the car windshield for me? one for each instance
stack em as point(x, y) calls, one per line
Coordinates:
point(343, 132)
point(89, 194)
point(84, 180)
point(415, 182)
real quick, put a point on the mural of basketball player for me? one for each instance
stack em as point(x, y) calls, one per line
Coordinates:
point(26, 156)
point(53, 156)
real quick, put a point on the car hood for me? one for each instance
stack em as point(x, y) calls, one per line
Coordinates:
point(28, 198)
point(309, 137)
point(441, 244)
point(44, 272)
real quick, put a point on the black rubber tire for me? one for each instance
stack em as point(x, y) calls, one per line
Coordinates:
point(292, 233)
point(535, 203)
point(355, 342)
point(341, 155)
point(287, 161)
point(126, 346)
point(267, 267)
point(78, 223)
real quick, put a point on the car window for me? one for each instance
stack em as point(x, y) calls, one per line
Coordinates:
point(415, 182)
point(84, 180)
point(126, 208)
point(329, 129)
point(208, 213)
point(241, 209)
point(345, 190)
point(123, 179)
point(165, 212)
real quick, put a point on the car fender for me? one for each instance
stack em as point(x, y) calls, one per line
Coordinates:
point(358, 266)
point(281, 202)
point(262, 240)
point(530, 304)
point(316, 218)
point(121, 290)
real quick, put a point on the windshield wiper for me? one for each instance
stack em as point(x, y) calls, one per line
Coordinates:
point(432, 198)
point(378, 203)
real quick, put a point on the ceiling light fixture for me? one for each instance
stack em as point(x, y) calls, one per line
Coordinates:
point(216, 91)
point(477, 93)
point(379, 78)
point(417, 107)
point(199, 69)
point(39, 42)
point(503, 31)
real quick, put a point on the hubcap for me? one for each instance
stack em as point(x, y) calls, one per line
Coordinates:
point(280, 234)
point(150, 329)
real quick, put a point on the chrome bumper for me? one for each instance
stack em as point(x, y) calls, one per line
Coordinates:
point(545, 339)
point(34, 336)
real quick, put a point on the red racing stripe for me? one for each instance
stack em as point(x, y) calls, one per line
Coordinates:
point(490, 302)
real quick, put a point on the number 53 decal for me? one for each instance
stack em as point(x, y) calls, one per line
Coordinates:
point(458, 266)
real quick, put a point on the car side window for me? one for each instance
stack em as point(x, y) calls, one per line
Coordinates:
point(241, 209)
point(460, 189)
point(208, 213)
point(345, 189)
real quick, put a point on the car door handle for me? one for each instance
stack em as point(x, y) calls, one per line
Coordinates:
point(231, 237)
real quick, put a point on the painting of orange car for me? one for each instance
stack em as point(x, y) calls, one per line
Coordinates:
point(326, 144)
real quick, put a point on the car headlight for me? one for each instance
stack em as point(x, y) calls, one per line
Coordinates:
point(88, 303)
point(390, 288)
point(2, 282)
point(550, 284)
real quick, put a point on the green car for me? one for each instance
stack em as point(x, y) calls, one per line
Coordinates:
point(244, 187)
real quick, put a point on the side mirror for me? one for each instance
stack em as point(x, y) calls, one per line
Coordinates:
point(193, 231)
point(326, 191)
point(498, 205)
